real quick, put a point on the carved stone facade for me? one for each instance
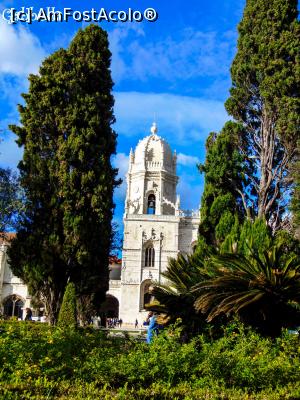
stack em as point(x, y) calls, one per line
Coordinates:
point(155, 228)
point(14, 297)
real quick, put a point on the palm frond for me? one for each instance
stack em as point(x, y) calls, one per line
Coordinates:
point(266, 282)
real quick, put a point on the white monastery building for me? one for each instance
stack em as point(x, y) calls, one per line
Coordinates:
point(14, 297)
point(155, 229)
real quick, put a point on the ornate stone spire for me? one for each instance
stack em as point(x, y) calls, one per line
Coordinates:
point(154, 129)
point(131, 156)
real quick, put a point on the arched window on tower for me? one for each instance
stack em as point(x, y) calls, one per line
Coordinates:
point(149, 256)
point(151, 204)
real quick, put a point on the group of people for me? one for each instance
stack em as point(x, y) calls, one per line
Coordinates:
point(151, 323)
point(29, 317)
point(114, 322)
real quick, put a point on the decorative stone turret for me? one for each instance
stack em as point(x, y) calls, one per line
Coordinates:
point(152, 172)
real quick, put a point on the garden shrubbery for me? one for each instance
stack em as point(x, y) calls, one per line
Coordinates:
point(42, 362)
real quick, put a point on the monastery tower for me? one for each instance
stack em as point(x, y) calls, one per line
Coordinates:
point(154, 226)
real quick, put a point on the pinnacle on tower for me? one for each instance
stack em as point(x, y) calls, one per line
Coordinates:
point(131, 156)
point(154, 128)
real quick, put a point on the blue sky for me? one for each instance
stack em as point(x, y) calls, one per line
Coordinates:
point(176, 68)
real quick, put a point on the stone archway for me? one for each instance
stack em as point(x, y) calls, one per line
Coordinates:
point(13, 306)
point(146, 293)
point(110, 307)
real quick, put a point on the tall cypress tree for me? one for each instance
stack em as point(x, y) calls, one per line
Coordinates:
point(66, 173)
point(253, 161)
point(264, 98)
point(223, 197)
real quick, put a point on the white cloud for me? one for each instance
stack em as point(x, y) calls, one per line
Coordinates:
point(190, 196)
point(180, 118)
point(117, 39)
point(189, 54)
point(20, 51)
point(121, 161)
point(186, 160)
point(190, 191)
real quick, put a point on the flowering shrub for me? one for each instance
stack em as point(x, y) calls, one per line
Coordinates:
point(42, 362)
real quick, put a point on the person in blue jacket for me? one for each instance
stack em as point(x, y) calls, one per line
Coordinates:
point(153, 326)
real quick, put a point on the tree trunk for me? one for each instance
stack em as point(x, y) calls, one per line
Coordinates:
point(53, 302)
point(267, 153)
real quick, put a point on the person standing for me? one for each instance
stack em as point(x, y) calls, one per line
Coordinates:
point(153, 326)
point(28, 316)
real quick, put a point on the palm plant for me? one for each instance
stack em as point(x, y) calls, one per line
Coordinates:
point(174, 298)
point(262, 288)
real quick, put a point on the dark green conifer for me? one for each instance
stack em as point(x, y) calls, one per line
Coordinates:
point(223, 198)
point(67, 318)
point(66, 173)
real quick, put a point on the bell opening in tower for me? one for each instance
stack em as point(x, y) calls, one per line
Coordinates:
point(151, 204)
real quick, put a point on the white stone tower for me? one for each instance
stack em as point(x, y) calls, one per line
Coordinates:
point(154, 226)
point(151, 179)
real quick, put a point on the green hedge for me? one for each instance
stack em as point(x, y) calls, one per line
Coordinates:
point(41, 362)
